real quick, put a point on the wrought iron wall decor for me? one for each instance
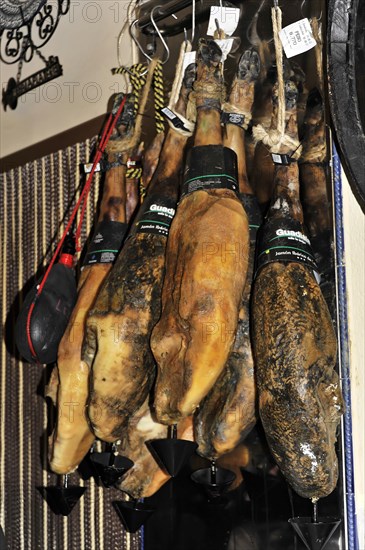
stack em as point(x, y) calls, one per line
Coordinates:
point(25, 27)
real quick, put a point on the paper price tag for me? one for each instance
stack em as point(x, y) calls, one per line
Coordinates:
point(189, 57)
point(297, 38)
point(226, 46)
point(228, 19)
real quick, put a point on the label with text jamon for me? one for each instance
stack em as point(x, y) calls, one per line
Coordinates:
point(106, 243)
point(210, 167)
point(157, 215)
point(283, 240)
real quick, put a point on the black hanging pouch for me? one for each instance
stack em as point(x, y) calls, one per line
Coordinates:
point(44, 317)
point(210, 167)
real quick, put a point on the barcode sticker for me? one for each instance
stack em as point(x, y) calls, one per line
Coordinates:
point(297, 38)
point(276, 158)
point(228, 19)
point(189, 58)
point(226, 46)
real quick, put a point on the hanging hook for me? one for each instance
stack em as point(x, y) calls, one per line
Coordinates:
point(136, 40)
point(251, 33)
point(301, 8)
point(193, 22)
point(304, 16)
point(160, 35)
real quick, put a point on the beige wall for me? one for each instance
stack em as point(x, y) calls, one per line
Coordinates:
point(354, 231)
point(86, 44)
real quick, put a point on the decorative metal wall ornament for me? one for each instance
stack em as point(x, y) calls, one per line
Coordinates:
point(25, 27)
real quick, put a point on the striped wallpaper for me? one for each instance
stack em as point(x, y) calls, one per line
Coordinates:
point(35, 201)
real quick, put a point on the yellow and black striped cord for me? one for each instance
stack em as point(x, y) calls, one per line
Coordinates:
point(159, 99)
point(138, 75)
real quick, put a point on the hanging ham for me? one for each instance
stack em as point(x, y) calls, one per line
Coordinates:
point(72, 437)
point(118, 328)
point(206, 260)
point(294, 342)
point(228, 412)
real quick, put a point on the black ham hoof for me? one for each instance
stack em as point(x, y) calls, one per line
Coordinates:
point(209, 52)
point(291, 94)
point(249, 65)
point(189, 76)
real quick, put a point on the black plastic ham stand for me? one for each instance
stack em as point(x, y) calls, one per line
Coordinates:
point(172, 453)
point(315, 532)
point(110, 467)
point(214, 480)
point(63, 498)
point(133, 513)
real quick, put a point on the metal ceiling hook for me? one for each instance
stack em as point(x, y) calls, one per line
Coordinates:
point(251, 33)
point(160, 35)
point(134, 38)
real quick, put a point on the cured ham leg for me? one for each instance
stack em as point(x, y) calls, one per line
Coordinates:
point(228, 412)
point(119, 325)
point(146, 477)
point(206, 264)
point(312, 166)
point(294, 342)
point(72, 437)
point(315, 195)
point(151, 158)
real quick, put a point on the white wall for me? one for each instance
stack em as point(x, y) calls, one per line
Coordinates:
point(86, 44)
point(354, 224)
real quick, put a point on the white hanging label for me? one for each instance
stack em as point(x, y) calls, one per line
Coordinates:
point(189, 58)
point(297, 38)
point(228, 19)
point(226, 46)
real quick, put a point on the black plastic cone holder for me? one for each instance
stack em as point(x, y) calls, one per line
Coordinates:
point(63, 498)
point(133, 513)
point(172, 453)
point(214, 480)
point(110, 467)
point(315, 532)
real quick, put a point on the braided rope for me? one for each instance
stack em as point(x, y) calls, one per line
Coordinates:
point(317, 35)
point(137, 75)
point(274, 138)
point(158, 93)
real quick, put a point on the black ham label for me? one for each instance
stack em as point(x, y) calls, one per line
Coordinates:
point(210, 167)
point(253, 212)
point(106, 243)
point(283, 240)
point(156, 217)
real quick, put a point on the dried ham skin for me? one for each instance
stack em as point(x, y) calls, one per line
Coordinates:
point(206, 266)
point(299, 393)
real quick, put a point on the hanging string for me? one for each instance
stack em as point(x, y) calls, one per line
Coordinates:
point(193, 22)
point(179, 75)
point(276, 15)
point(137, 76)
point(131, 15)
point(159, 100)
point(176, 86)
point(276, 137)
point(131, 142)
point(317, 35)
